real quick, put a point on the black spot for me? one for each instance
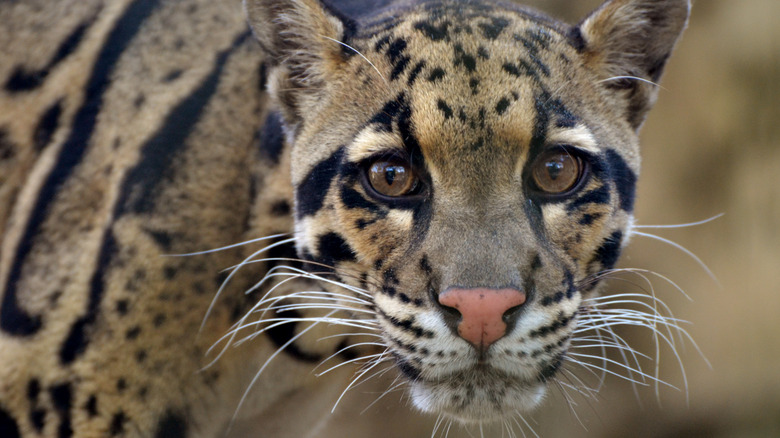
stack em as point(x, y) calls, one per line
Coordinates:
point(396, 49)
point(493, 29)
point(271, 138)
point(520, 69)
point(473, 84)
point(464, 59)
point(385, 116)
point(117, 424)
point(407, 369)
point(310, 194)
point(284, 333)
point(91, 406)
point(483, 52)
point(33, 389)
point(381, 43)
point(171, 425)
point(596, 196)
point(550, 370)
point(37, 418)
point(24, 80)
point(415, 72)
point(399, 67)
point(162, 238)
point(133, 333)
point(47, 125)
point(609, 252)
point(333, 249)
point(62, 398)
point(502, 105)
point(172, 76)
point(589, 218)
point(280, 208)
point(443, 107)
point(432, 31)
point(425, 265)
point(8, 426)
point(624, 178)
point(536, 263)
point(122, 307)
point(436, 74)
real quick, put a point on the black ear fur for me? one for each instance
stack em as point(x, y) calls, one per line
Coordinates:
point(627, 42)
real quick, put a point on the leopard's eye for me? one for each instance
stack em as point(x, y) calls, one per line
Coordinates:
point(392, 177)
point(556, 171)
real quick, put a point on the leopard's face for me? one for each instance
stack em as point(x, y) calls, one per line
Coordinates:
point(471, 173)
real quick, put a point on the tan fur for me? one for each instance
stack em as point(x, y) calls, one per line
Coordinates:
point(146, 367)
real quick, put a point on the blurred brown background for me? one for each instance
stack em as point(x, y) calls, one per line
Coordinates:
point(711, 145)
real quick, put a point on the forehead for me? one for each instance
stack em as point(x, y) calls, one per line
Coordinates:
point(479, 81)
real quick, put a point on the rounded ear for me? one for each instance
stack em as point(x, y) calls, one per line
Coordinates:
point(303, 40)
point(627, 42)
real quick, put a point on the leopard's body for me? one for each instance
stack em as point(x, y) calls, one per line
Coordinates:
point(132, 131)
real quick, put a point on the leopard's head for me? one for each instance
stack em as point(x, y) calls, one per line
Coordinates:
point(468, 169)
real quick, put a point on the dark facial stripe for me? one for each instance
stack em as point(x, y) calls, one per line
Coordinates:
point(609, 252)
point(625, 179)
point(26, 80)
point(595, 196)
point(13, 319)
point(310, 193)
point(333, 249)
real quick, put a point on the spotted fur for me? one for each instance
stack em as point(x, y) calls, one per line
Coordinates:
point(135, 131)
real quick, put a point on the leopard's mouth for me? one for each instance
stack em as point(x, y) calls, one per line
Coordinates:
point(483, 392)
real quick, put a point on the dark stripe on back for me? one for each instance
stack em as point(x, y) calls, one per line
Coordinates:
point(8, 426)
point(13, 319)
point(139, 188)
point(47, 125)
point(26, 80)
point(76, 342)
point(62, 398)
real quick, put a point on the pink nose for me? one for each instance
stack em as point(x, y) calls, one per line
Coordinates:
point(482, 312)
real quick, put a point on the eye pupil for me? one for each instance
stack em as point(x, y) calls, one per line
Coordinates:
point(392, 178)
point(556, 171)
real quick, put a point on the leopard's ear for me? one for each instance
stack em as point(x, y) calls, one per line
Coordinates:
point(303, 42)
point(627, 43)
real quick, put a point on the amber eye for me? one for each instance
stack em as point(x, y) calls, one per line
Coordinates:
point(556, 171)
point(392, 178)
